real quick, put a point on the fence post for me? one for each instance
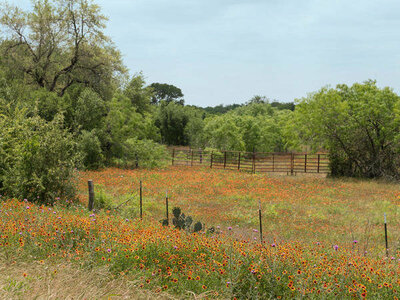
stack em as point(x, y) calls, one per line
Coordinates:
point(254, 163)
point(212, 154)
point(173, 155)
point(191, 162)
point(386, 237)
point(260, 219)
point(318, 163)
point(224, 159)
point(141, 211)
point(201, 156)
point(91, 194)
point(136, 161)
point(166, 206)
point(239, 162)
point(291, 163)
point(273, 162)
point(305, 163)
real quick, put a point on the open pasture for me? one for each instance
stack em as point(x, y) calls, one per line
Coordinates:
point(311, 209)
point(323, 239)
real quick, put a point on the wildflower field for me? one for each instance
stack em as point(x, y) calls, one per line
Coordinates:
point(323, 238)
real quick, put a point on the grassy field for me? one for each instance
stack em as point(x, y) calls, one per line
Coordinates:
point(312, 209)
point(323, 238)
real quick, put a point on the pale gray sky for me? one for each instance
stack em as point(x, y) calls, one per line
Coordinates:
point(226, 51)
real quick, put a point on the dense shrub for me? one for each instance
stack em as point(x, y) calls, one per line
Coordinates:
point(359, 125)
point(37, 159)
point(142, 153)
point(90, 148)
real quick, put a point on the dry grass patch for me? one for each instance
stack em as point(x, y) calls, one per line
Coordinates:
point(64, 281)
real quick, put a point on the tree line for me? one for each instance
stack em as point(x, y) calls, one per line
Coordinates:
point(67, 101)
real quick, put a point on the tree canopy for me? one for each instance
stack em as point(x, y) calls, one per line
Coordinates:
point(166, 92)
point(359, 125)
point(58, 44)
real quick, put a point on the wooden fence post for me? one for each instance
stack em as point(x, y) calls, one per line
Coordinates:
point(260, 219)
point(273, 162)
point(212, 154)
point(239, 162)
point(191, 162)
point(140, 199)
point(224, 159)
point(305, 163)
point(201, 156)
point(91, 194)
point(386, 237)
point(291, 163)
point(254, 163)
point(166, 206)
point(173, 155)
point(318, 163)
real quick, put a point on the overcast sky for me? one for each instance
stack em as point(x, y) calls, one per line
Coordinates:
point(226, 51)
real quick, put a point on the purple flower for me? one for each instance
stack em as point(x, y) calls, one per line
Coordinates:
point(229, 228)
point(355, 241)
point(27, 207)
point(273, 245)
point(335, 247)
point(255, 230)
point(108, 250)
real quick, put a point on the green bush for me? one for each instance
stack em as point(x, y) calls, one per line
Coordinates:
point(90, 148)
point(142, 153)
point(37, 159)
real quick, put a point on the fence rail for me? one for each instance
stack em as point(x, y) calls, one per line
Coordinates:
point(254, 162)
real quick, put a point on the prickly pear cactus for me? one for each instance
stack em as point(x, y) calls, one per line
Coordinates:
point(181, 221)
point(197, 227)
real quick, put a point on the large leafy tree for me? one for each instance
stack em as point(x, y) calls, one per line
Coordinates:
point(166, 92)
point(58, 44)
point(139, 95)
point(256, 126)
point(359, 125)
point(172, 120)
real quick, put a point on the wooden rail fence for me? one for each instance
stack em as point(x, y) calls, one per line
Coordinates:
point(254, 162)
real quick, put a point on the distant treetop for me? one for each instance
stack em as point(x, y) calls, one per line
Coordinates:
point(166, 92)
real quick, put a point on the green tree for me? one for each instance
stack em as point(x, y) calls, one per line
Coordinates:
point(166, 92)
point(223, 133)
point(172, 119)
point(59, 44)
point(90, 148)
point(123, 123)
point(358, 125)
point(255, 126)
point(139, 95)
